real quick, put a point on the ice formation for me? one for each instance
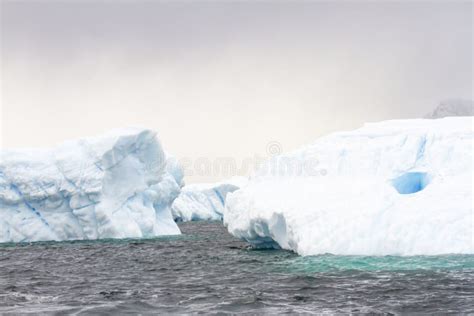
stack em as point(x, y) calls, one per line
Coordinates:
point(204, 201)
point(454, 107)
point(118, 185)
point(402, 187)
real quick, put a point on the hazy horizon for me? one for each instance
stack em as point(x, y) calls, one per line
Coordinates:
point(226, 79)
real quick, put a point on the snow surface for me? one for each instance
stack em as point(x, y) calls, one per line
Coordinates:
point(402, 187)
point(454, 107)
point(118, 185)
point(204, 201)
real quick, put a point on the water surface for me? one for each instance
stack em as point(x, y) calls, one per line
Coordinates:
point(207, 270)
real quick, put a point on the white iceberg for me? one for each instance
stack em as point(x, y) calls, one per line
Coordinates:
point(118, 185)
point(402, 187)
point(453, 107)
point(204, 201)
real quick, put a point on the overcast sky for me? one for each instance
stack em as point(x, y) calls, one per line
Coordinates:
point(225, 79)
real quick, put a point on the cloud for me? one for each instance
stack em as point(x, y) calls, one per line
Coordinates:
point(223, 80)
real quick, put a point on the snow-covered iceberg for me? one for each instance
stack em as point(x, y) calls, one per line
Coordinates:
point(118, 185)
point(402, 187)
point(204, 201)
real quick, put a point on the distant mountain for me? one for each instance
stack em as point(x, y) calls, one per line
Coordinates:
point(452, 108)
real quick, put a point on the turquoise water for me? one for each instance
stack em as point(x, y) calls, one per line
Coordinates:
point(323, 263)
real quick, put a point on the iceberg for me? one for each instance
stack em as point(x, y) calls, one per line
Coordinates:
point(204, 201)
point(400, 187)
point(119, 185)
point(453, 107)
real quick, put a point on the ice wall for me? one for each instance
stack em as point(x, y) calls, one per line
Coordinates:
point(118, 185)
point(204, 201)
point(400, 187)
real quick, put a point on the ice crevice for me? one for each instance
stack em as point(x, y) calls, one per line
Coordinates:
point(28, 205)
point(411, 182)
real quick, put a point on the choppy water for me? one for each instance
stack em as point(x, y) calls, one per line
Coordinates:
point(206, 270)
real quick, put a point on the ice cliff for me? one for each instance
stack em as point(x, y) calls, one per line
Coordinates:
point(204, 201)
point(402, 187)
point(118, 185)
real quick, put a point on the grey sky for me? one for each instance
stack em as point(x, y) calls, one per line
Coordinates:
point(225, 79)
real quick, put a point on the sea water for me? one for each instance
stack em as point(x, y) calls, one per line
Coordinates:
point(207, 270)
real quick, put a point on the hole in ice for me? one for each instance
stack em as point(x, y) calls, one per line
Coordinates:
point(411, 182)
